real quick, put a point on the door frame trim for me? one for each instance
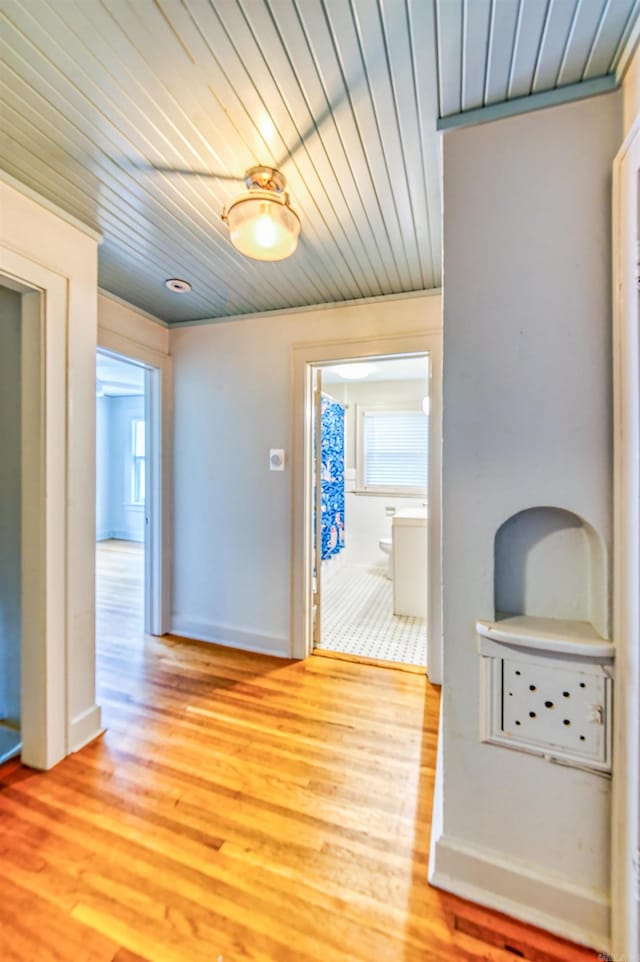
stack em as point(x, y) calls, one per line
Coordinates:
point(625, 848)
point(45, 726)
point(303, 357)
point(158, 510)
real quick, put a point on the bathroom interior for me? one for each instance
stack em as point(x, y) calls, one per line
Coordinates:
point(372, 491)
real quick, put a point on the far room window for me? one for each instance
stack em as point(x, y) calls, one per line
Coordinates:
point(393, 449)
point(138, 454)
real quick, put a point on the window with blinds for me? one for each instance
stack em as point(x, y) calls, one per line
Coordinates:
point(393, 450)
point(138, 461)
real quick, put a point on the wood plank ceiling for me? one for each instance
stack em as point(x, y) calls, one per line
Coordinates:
point(491, 51)
point(136, 115)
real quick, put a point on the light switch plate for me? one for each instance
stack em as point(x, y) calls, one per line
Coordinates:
point(276, 459)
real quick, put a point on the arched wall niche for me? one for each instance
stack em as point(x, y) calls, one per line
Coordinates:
point(551, 563)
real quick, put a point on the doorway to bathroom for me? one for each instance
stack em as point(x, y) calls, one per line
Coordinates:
point(370, 519)
point(126, 464)
point(307, 360)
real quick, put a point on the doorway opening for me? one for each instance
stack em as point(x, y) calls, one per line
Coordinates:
point(124, 474)
point(370, 471)
point(10, 523)
point(305, 358)
point(33, 517)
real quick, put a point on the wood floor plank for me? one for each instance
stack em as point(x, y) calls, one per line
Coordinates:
point(33, 928)
point(239, 808)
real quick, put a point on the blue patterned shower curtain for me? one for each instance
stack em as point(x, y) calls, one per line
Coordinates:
point(332, 476)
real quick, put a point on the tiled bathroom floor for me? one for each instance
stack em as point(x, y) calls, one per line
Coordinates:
point(358, 619)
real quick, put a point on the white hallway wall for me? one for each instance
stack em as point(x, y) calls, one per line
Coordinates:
point(232, 516)
point(527, 358)
point(127, 330)
point(43, 238)
point(10, 505)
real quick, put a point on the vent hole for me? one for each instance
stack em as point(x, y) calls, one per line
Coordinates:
point(548, 704)
point(532, 687)
point(532, 714)
point(566, 694)
point(518, 672)
point(582, 738)
point(566, 722)
point(517, 723)
point(582, 684)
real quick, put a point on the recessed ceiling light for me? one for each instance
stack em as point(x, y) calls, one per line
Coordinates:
point(354, 372)
point(177, 286)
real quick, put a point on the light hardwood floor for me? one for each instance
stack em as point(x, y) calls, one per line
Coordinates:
point(239, 808)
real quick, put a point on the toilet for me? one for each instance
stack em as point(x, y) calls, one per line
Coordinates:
point(386, 545)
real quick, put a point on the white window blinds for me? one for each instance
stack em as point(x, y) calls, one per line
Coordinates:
point(138, 467)
point(395, 449)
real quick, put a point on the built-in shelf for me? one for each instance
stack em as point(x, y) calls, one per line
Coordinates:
point(550, 563)
point(553, 635)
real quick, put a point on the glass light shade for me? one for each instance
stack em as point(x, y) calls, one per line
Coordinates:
point(263, 226)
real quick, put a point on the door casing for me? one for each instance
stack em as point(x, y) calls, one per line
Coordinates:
point(157, 368)
point(304, 357)
point(625, 847)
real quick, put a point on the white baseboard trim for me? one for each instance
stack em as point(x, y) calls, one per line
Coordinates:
point(120, 534)
point(579, 914)
point(231, 637)
point(437, 813)
point(125, 534)
point(85, 727)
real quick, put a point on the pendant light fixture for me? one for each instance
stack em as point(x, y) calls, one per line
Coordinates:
point(261, 223)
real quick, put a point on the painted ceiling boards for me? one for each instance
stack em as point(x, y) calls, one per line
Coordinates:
point(139, 117)
point(491, 51)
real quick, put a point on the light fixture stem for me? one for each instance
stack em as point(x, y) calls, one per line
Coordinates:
point(265, 178)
